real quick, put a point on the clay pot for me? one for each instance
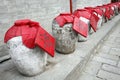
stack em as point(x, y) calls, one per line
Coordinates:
point(29, 62)
point(65, 37)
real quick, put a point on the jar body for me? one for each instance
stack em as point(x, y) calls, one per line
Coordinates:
point(29, 62)
point(65, 36)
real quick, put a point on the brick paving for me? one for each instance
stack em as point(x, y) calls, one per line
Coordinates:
point(105, 65)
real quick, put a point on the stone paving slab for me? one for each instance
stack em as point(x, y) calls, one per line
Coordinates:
point(105, 60)
point(67, 67)
point(114, 45)
point(93, 67)
point(110, 56)
point(104, 49)
point(115, 51)
point(87, 76)
point(108, 76)
point(110, 68)
point(117, 40)
point(119, 64)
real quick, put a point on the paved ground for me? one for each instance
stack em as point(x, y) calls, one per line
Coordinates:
point(98, 69)
point(105, 65)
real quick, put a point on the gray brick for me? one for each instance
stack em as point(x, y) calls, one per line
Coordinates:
point(115, 51)
point(111, 69)
point(119, 64)
point(17, 2)
point(90, 3)
point(93, 67)
point(104, 60)
point(53, 10)
point(113, 45)
point(111, 38)
point(33, 1)
point(104, 49)
point(117, 40)
point(108, 76)
point(108, 56)
point(15, 8)
point(3, 9)
point(2, 2)
point(48, 2)
point(86, 76)
point(35, 6)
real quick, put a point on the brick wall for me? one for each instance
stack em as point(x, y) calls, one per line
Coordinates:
point(42, 11)
point(92, 3)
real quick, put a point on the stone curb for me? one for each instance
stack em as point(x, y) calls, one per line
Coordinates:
point(68, 67)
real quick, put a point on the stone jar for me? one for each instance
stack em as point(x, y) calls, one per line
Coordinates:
point(65, 36)
point(29, 62)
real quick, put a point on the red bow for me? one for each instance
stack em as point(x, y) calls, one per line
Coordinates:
point(64, 18)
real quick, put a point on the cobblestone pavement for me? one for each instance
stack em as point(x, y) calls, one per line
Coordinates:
point(105, 64)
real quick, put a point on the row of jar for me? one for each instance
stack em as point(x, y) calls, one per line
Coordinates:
point(68, 28)
point(27, 41)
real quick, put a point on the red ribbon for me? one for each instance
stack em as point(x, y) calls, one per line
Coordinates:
point(64, 18)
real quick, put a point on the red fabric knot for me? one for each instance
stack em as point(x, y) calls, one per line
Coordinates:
point(21, 22)
point(94, 18)
point(82, 12)
point(64, 18)
point(34, 24)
